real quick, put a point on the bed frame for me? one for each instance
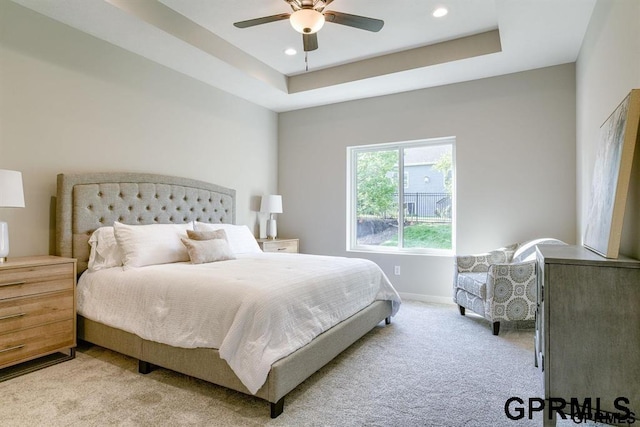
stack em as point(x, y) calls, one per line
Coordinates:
point(88, 201)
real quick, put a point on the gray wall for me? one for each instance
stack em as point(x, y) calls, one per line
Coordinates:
point(515, 166)
point(73, 103)
point(607, 68)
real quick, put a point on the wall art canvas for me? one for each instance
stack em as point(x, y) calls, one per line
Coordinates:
point(611, 175)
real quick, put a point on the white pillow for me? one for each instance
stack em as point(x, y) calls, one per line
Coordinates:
point(527, 250)
point(105, 252)
point(151, 244)
point(240, 238)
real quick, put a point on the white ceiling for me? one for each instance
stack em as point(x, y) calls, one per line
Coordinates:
point(412, 51)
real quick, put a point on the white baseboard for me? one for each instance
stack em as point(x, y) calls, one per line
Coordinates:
point(426, 298)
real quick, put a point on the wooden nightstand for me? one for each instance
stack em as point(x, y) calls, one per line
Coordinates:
point(279, 245)
point(37, 313)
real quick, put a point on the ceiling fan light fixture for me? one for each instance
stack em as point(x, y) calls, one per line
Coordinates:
point(307, 21)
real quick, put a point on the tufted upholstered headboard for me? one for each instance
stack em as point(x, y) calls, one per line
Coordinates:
point(91, 200)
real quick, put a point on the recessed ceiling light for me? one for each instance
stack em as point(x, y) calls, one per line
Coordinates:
point(440, 12)
point(290, 51)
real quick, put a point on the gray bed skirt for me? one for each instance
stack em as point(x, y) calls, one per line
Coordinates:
point(206, 364)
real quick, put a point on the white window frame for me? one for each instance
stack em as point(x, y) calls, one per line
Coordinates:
point(352, 245)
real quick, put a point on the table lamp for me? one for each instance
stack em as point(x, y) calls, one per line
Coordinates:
point(271, 204)
point(11, 196)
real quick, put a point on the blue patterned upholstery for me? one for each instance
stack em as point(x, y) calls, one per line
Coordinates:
point(499, 285)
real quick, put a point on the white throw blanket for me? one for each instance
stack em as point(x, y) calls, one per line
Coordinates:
point(255, 310)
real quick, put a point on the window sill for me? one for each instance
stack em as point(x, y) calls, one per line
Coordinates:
point(397, 251)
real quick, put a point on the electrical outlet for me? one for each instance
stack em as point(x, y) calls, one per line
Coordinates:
point(396, 270)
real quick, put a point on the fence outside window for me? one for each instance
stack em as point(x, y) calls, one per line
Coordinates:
point(426, 207)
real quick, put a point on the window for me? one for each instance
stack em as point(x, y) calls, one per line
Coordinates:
point(414, 215)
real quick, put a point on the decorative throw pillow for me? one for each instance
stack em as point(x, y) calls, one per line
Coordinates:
point(527, 250)
point(105, 252)
point(207, 235)
point(210, 250)
point(240, 238)
point(151, 244)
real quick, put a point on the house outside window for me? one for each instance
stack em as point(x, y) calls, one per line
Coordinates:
point(415, 215)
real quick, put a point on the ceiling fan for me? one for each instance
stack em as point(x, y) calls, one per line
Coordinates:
point(310, 15)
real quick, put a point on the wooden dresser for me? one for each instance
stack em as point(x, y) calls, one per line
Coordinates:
point(37, 313)
point(587, 339)
point(279, 245)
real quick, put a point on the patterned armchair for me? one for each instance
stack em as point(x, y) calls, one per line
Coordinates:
point(499, 285)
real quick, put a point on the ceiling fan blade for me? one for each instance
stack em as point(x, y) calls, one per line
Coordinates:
point(310, 42)
point(356, 21)
point(263, 20)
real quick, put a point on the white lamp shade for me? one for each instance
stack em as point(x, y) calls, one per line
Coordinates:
point(11, 194)
point(271, 204)
point(306, 21)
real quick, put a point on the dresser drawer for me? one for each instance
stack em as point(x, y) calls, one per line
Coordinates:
point(34, 342)
point(290, 245)
point(21, 313)
point(18, 282)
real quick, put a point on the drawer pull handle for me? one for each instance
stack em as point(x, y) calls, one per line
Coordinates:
point(22, 282)
point(282, 249)
point(18, 347)
point(13, 316)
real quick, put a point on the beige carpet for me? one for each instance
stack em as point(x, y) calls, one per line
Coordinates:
point(430, 367)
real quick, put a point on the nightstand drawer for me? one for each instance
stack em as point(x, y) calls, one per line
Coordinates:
point(34, 342)
point(22, 313)
point(19, 282)
point(289, 245)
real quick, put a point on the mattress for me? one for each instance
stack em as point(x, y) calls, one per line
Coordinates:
point(255, 309)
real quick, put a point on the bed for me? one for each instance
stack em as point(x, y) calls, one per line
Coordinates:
point(91, 201)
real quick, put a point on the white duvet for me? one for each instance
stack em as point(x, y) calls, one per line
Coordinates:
point(255, 309)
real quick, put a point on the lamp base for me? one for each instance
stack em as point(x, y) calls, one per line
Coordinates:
point(4, 241)
point(272, 229)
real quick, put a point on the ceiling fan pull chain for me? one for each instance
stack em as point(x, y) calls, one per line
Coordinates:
point(306, 61)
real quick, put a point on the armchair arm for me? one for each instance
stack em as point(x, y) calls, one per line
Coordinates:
point(505, 281)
